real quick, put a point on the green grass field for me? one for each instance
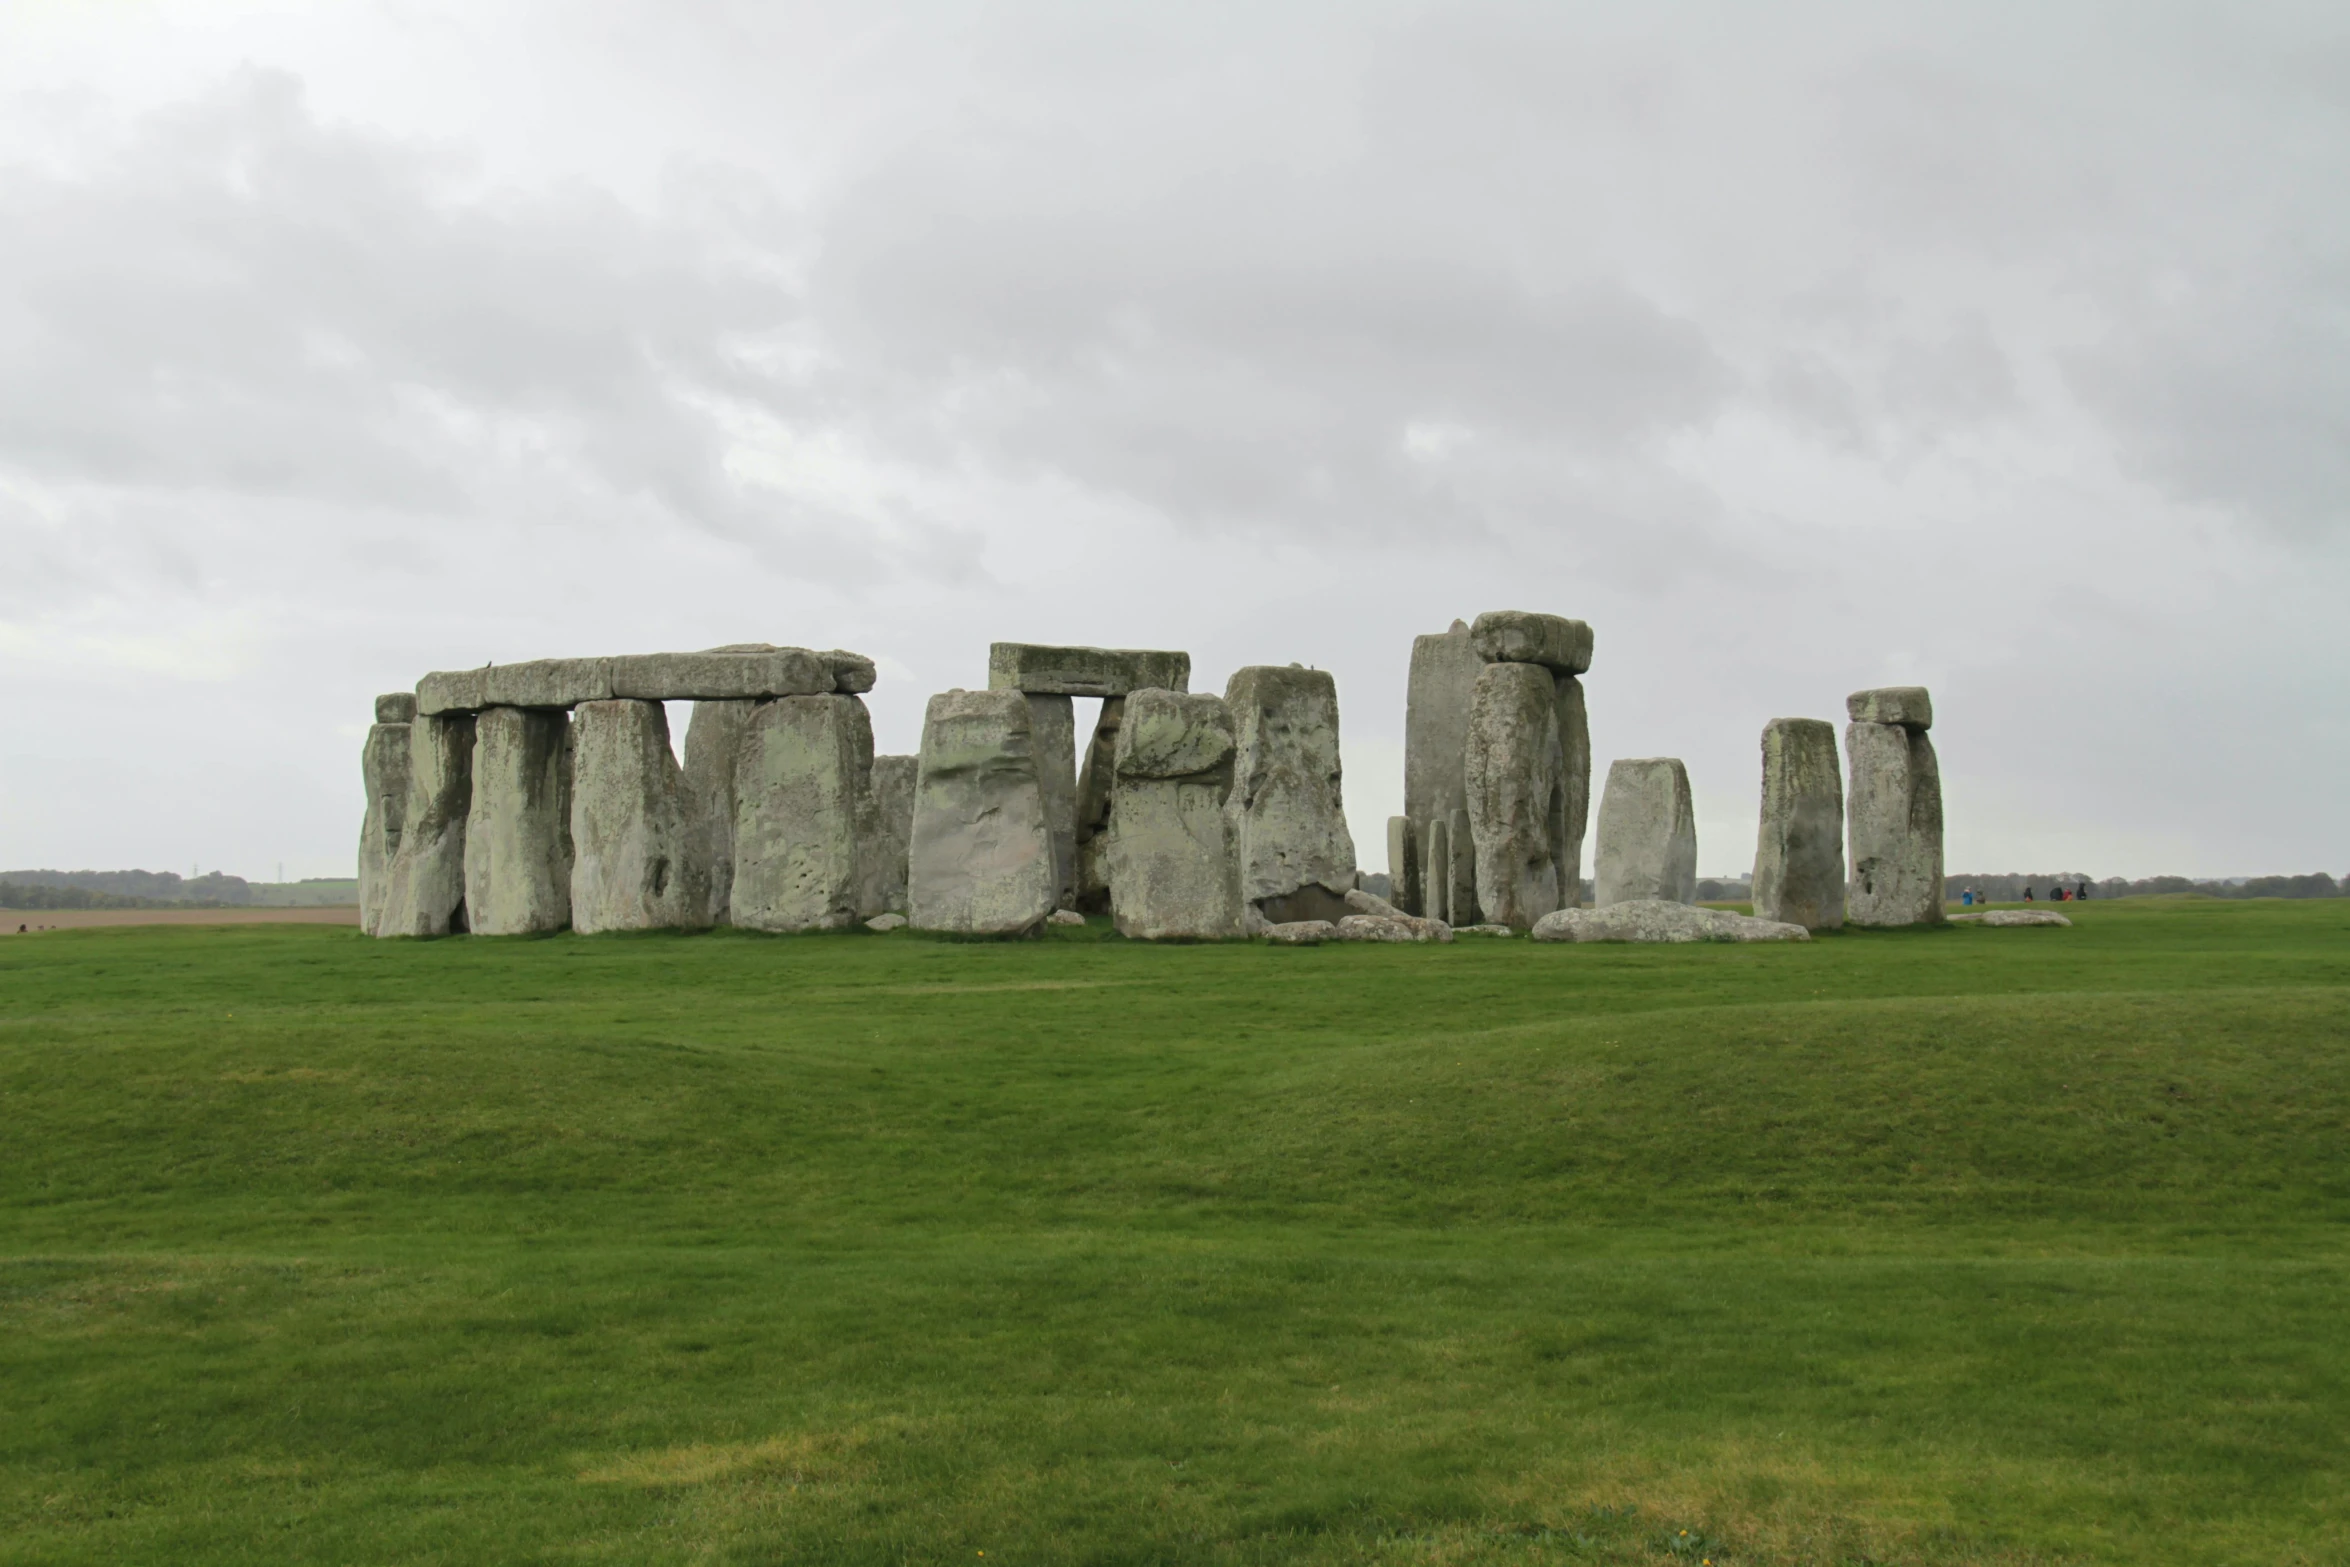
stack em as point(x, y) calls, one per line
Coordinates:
point(1963, 1246)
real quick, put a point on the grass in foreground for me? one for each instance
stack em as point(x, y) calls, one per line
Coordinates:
point(1972, 1246)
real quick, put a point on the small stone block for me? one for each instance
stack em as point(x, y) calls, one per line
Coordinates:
point(1301, 933)
point(1908, 706)
point(450, 691)
point(396, 707)
point(883, 924)
point(1516, 636)
point(1084, 671)
point(1064, 917)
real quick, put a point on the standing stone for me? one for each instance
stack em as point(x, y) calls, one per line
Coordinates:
point(1799, 851)
point(1647, 834)
point(1174, 863)
point(892, 830)
point(1297, 856)
point(981, 856)
point(424, 895)
point(1896, 810)
point(1403, 862)
point(1436, 873)
point(1436, 724)
point(1515, 794)
point(383, 769)
point(1093, 809)
point(1575, 769)
point(1460, 897)
point(1052, 729)
point(518, 834)
point(637, 864)
point(802, 790)
point(713, 742)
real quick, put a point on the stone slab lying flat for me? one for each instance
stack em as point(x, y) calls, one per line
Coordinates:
point(2004, 918)
point(1653, 919)
point(720, 677)
point(1301, 933)
point(1392, 927)
point(1908, 706)
point(1517, 636)
point(744, 672)
point(1084, 671)
point(546, 682)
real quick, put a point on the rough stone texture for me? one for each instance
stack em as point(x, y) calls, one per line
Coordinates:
point(1908, 706)
point(1460, 898)
point(1288, 804)
point(1436, 724)
point(396, 707)
point(1093, 808)
point(546, 682)
point(424, 893)
point(1799, 848)
point(1052, 729)
point(1894, 818)
point(853, 674)
point(1436, 870)
point(2007, 917)
point(1575, 770)
point(802, 787)
point(1483, 930)
point(1647, 834)
point(720, 677)
point(1366, 902)
point(450, 691)
point(1064, 917)
point(1403, 862)
point(713, 738)
point(1173, 858)
point(892, 828)
point(1515, 794)
point(1301, 933)
point(636, 864)
point(883, 924)
point(980, 861)
point(1516, 636)
point(383, 770)
point(518, 833)
point(1392, 927)
point(1655, 919)
point(1084, 671)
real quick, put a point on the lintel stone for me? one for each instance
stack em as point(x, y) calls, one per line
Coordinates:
point(1516, 636)
point(1909, 706)
point(1084, 671)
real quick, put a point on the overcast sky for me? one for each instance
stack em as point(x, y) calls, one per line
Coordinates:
point(2004, 350)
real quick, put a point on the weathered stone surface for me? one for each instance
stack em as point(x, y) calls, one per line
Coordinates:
point(1647, 834)
point(1894, 819)
point(636, 864)
point(883, 924)
point(1460, 898)
point(720, 677)
point(892, 829)
point(396, 707)
point(713, 739)
point(1909, 706)
point(1392, 927)
point(1516, 636)
point(1436, 724)
point(1094, 783)
point(1436, 869)
point(1052, 728)
point(853, 674)
point(2002, 918)
point(1064, 917)
point(1656, 919)
point(1799, 847)
point(450, 691)
point(546, 682)
point(1084, 671)
point(1575, 772)
point(802, 781)
point(1403, 863)
point(1483, 930)
point(424, 893)
point(518, 832)
point(1288, 803)
point(981, 855)
point(1301, 933)
point(1174, 863)
point(1366, 902)
point(383, 770)
point(1516, 796)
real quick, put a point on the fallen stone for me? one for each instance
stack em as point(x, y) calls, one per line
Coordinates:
point(1301, 933)
point(1655, 919)
point(518, 831)
point(1403, 863)
point(892, 829)
point(713, 741)
point(1436, 724)
point(1799, 846)
point(2001, 918)
point(383, 772)
point(1392, 927)
point(980, 860)
point(424, 892)
point(802, 778)
point(720, 677)
point(1052, 728)
point(1483, 930)
point(1647, 834)
point(1084, 671)
point(1366, 902)
point(1575, 772)
point(1516, 796)
point(547, 682)
point(1908, 706)
point(1064, 917)
point(1893, 817)
point(1173, 858)
point(396, 707)
point(635, 860)
point(1287, 803)
point(885, 923)
point(1516, 636)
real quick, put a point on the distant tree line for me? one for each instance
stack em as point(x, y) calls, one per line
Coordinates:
point(2009, 888)
point(141, 887)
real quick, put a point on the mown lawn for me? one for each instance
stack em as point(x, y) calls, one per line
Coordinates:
point(1966, 1246)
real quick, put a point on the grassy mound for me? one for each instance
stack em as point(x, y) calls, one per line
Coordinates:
point(1965, 1246)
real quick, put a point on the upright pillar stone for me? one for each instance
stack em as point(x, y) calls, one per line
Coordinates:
point(1460, 895)
point(1895, 814)
point(425, 893)
point(893, 830)
point(1297, 856)
point(518, 833)
point(1403, 863)
point(1436, 871)
point(1094, 786)
point(713, 741)
point(1575, 769)
point(803, 782)
point(981, 857)
point(1647, 833)
point(1799, 850)
point(638, 864)
point(383, 771)
point(1173, 857)
point(1515, 793)
point(1052, 729)
point(1443, 684)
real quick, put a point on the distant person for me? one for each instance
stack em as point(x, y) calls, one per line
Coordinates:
point(1966, 900)
point(2083, 894)
point(2027, 894)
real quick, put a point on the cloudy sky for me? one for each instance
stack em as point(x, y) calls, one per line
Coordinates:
point(2000, 349)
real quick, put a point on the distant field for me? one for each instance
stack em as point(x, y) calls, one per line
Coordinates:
point(1966, 1246)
